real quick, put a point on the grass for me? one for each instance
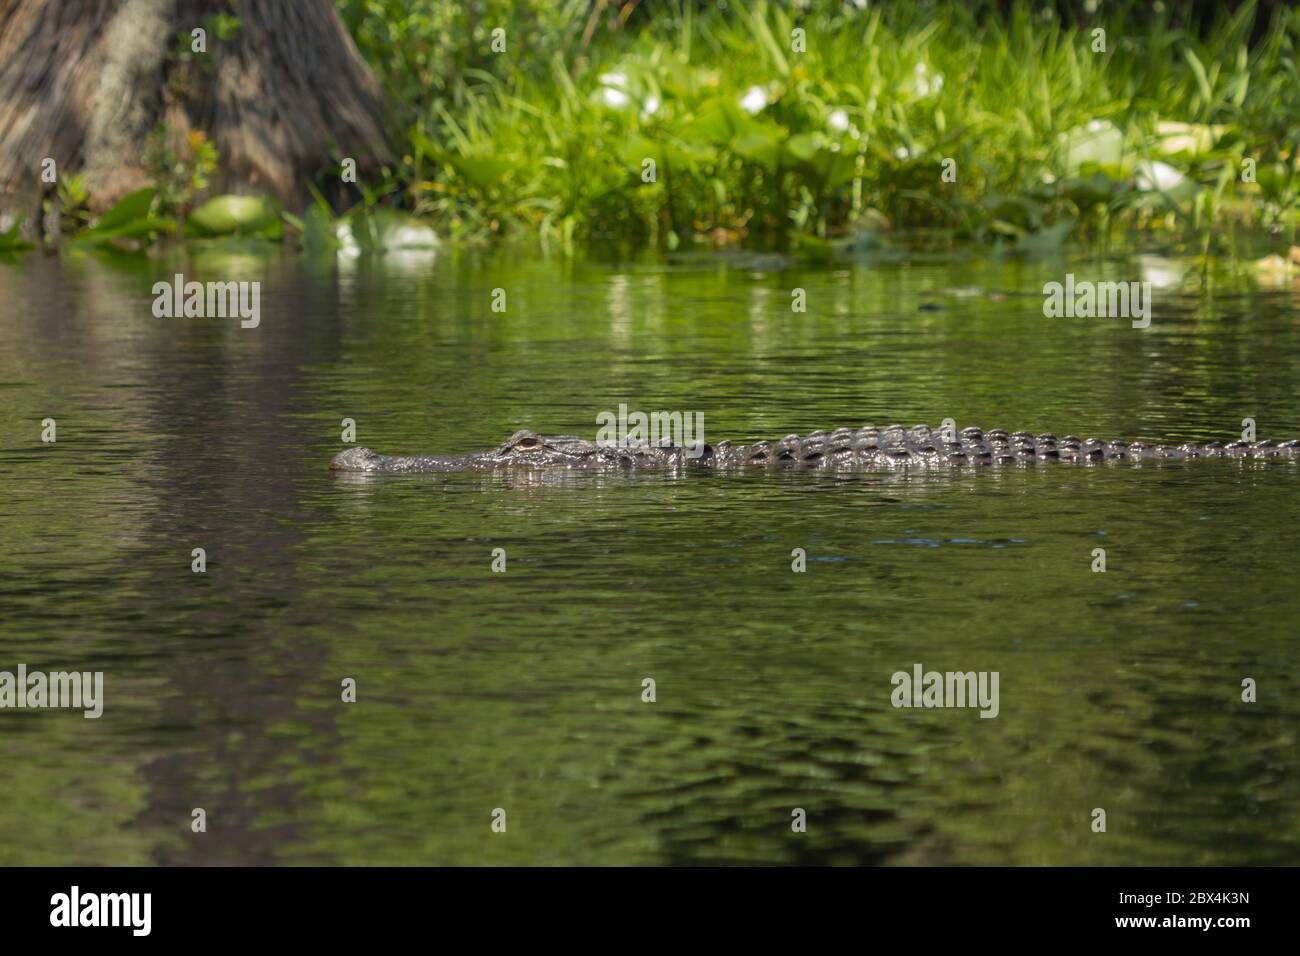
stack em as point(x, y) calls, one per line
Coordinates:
point(671, 123)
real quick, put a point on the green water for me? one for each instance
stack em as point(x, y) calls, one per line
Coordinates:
point(523, 690)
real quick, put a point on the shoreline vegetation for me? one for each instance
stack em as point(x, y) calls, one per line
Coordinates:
point(815, 129)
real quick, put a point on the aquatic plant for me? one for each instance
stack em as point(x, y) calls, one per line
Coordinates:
point(130, 223)
point(773, 123)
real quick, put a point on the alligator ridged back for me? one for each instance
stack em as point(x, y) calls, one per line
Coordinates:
point(895, 446)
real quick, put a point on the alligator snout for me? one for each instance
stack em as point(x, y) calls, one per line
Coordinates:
point(353, 459)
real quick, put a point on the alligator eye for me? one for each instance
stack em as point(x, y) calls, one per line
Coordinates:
point(528, 444)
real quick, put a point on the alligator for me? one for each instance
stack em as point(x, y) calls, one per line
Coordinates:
point(862, 449)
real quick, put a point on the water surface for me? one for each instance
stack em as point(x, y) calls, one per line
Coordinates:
point(522, 690)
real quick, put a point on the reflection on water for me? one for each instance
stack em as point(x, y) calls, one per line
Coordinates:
point(522, 689)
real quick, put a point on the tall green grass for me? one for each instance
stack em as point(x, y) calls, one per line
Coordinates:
point(753, 140)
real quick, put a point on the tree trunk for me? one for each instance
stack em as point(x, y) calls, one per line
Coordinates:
point(85, 83)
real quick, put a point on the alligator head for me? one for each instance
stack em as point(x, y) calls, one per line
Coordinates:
point(524, 449)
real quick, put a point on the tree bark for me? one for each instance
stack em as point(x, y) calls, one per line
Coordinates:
point(86, 82)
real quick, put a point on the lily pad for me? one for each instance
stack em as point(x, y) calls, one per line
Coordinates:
point(234, 216)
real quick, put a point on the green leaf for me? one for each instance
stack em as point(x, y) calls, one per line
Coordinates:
point(1024, 215)
point(1049, 239)
point(803, 146)
point(1097, 189)
point(1202, 81)
point(11, 242)
point(130, 218)
point(234, 216)
point(134, 205)
point(483, 171)
point(717, 121)
point(758, 146)
point(319, 231)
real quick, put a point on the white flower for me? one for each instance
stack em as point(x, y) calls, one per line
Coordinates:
point(651, 106)
point(839, 121)
point(347, 242)
point(1159, 176)
point(412, 236)
point(754, 100)
point(925, 82)
point(900, 153)
point(613, 97)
